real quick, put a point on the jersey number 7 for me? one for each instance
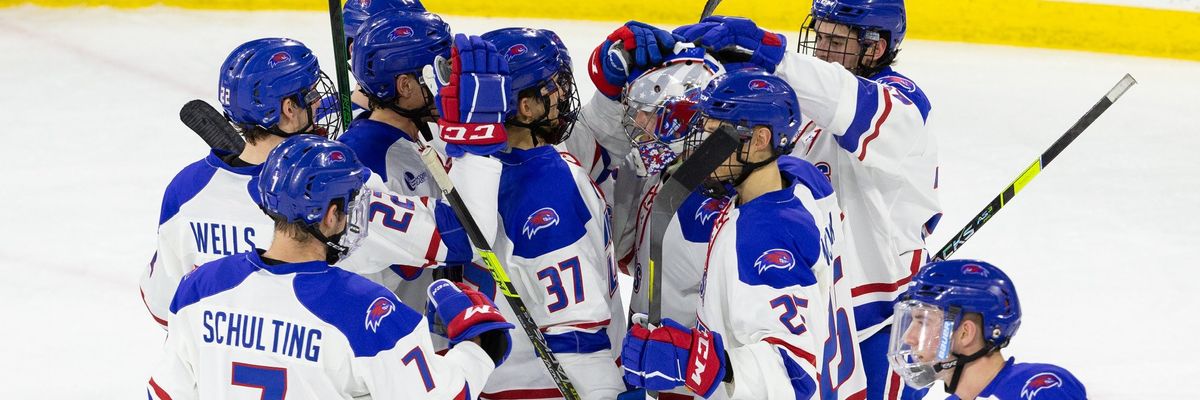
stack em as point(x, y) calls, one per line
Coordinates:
point(272, 381)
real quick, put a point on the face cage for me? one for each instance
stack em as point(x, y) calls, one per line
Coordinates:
point(656, 149)
point(733, 170)
point(810, 36)
point(568, 103)
point(327, 121)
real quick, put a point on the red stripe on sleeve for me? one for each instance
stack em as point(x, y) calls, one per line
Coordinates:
point(160, 321)
point(812, 360)
point(887, 109)
point(917, 260)
point(158, 391)
point(517, 394)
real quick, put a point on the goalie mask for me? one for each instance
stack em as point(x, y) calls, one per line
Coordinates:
point(660, 107)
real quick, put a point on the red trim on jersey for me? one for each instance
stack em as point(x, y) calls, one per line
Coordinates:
point(816, 134)
point(793, 349)
point(894, 386)
point(462, 395)
point(917, 261)
point(861, 395)
point(674, 396)
point(158, 391)
point(160, 321)
point(568, 157)
point(582, 325)
point(887, 109)
point(431, 253)
point(596, 158)
point(516, 394)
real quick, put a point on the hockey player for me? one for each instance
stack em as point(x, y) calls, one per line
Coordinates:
point(278, 321)
point(553, 236)
point(865, 129)
point(773, 322)
point(269, 87)
point(354, 14)
point(950, 326)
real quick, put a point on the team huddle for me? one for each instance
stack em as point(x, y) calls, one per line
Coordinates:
point(322, 262)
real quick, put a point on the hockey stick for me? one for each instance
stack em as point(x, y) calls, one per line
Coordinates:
point(1034, 169)
point(709, 7)
point(342, 69)
point(211, 126)
point(434, 164)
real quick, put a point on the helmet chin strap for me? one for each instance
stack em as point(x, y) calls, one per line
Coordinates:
point(958, 363)
point(417, 115)
point(540, 126)
point(333, 250)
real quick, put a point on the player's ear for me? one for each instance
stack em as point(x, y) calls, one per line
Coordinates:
point(526, 107)
point(761, 140)
point(403, 85)
point(334, 216)
point(877, 50)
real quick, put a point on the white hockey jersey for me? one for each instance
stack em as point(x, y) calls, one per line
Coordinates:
point(208, 211)
point(868, 136)
point(775, 286)
point(243, 328)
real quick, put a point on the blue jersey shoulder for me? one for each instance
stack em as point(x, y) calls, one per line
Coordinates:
point(370, 141)
point(540, 202)
point(910, 92)
point(806, 174)
point(1031, 381)
point(214, 277)
point(369, 315)
point(778, 241)
point(192, 179)
point(696, 215)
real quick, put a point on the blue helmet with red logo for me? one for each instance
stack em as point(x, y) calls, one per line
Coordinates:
point(304, 174)
point(394, 43)
point(971, 286)
point(751, 97)
point(356, 12)
point(259, 74)
point(883, 16)
point(538, 59)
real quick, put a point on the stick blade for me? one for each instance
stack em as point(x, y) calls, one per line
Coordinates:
point(211, 126)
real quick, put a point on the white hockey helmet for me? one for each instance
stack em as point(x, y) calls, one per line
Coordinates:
point(659, 106)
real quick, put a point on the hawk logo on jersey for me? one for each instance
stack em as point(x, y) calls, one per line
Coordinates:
point(1038, 382)
point(710, 208)
point(515, 50)
point(759, 84)
point(540, 219)
point(280, 57)
point(899, 82)
point(380, 309)
point(401, 32)
point(973, 269)
point(774, 258)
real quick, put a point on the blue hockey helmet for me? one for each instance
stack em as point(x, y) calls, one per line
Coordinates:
point(751, 97)
point(356, 12)
point(258, 75)
point(882, 16)
point(393, 43)
point(303, 176)
point(538, 59)
point(926, 316)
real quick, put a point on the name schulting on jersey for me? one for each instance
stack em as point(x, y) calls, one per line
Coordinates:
point(246, 331)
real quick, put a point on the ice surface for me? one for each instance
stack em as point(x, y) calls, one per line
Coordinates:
point(1101, 246)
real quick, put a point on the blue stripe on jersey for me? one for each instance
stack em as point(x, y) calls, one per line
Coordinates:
point(867, 103)
point(905, 87)
point(780, 253)
point(802, 385)
point(212, 278)
point(370, 141)
point(370, 316)
point(796, 169)
point(192, 179)
point(454, 237)
point(578, 342)
point(874, 313)
point(540, 202)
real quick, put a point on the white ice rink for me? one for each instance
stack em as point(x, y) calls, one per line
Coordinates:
point(1101, 246)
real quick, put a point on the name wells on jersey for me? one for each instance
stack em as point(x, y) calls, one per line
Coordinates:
point(222, 239)
point(262, 334)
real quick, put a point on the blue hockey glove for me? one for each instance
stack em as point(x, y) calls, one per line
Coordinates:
point(632, 48)
point(720, 33)
point(672, 355)
point(469, 314)
point(472, 97)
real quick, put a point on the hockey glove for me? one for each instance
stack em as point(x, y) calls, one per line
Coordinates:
point(722, 34)
point(473, 97)
point(632, 48)
point(655, 359)
point(468, 314)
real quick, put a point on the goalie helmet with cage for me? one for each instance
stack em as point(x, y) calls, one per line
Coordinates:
point(847, 31)
point(941, 296)
point(303, 177)
point(744, 100)
point(260, 74)
point(394, 43)
point(540, 68)
point(660, 106)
